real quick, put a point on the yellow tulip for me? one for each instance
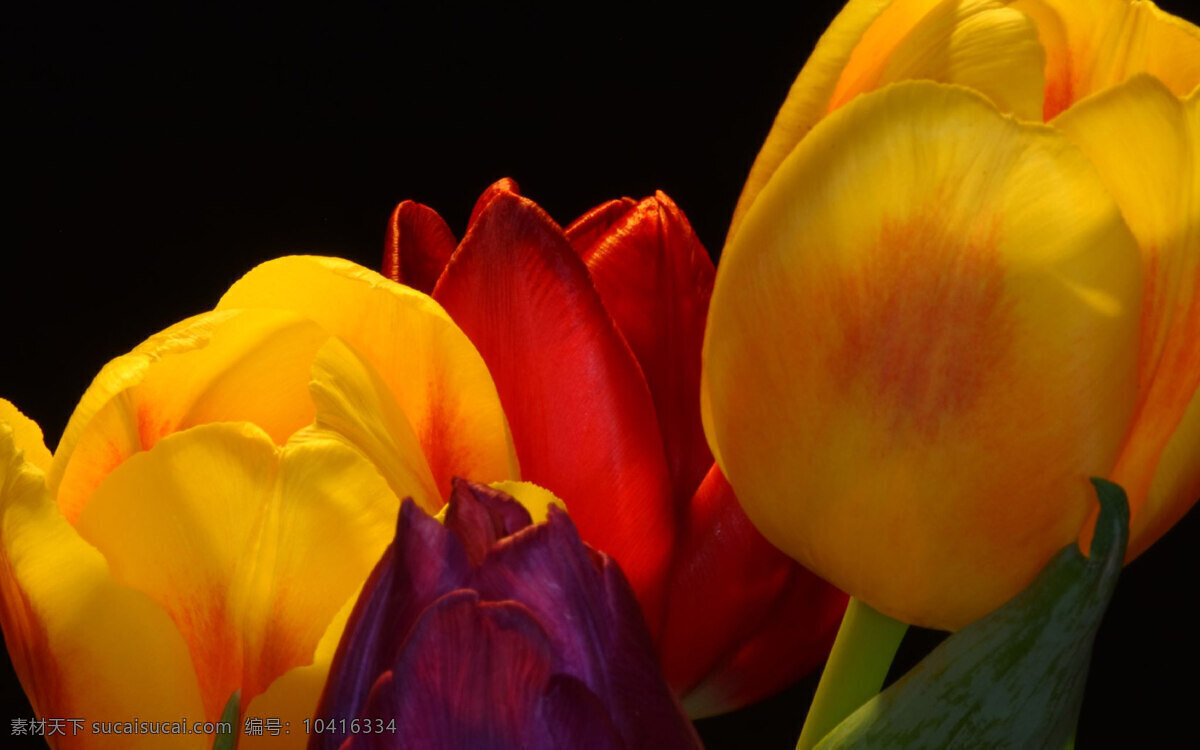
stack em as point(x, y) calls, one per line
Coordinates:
point(205, 523)
point(935, 318)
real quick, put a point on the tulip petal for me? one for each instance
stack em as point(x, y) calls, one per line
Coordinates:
point(483, 516)
point(433, 372)
point(424, 562)
point(353, 401)
point(979, 44)
point(503, 186)
point(587, 230)
point(1144, 142)
point(655, 278)
point(589, 615)
point(229, 366)
point(975, 43)
point(574, 717)
point(70, 627)
point(808, 99)
point(775, 623)
point(418, 246)
point(471, 675)
point(1095, 45)
point(536, 500)
point(27, 435)
point(293, 697)
point(251, 549)
point(893, 353)
point(582, 417)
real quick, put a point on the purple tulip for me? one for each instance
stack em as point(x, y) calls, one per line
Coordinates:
point(488, 631)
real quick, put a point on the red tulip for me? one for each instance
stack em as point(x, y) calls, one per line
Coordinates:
point(593, 338)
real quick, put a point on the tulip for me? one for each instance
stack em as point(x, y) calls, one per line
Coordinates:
point(593, 337)
point(204, 526)
point(934, 322)
point(493, 631)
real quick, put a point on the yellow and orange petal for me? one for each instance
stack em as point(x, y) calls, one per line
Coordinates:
point(230, 366)
point(69, 627)
point(1095, 45)
point(430, 368)
point(1144, 141)
point(977, 43)
point(249, 547)
point(920, 348)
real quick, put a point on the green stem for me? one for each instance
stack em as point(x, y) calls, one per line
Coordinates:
point(858, 664)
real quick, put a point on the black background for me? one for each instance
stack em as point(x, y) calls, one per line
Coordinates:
point(152, 157)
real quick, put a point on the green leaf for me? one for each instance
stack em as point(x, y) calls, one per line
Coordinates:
point(1015, 678)
point(231, 716)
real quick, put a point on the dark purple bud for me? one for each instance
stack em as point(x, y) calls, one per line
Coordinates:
point(493, 632)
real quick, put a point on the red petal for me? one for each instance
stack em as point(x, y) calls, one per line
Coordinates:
point(588, 229)
point(502, 186)
point(581, 415)
point(743, 619)
point(791, 642)
point(655, 279)
point(419, 245)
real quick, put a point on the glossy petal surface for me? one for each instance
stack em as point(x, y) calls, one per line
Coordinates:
point(582, 416)
point(886, 351)
point(655, 279)
point(418, 246)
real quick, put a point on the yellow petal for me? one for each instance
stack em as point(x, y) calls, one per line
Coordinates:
point(808, 99)
point(354, 402)
point(976, 43)
point(1144, 141)
point(536, 499)
point(26, 435)
point(83, 645)
point(1091, 46)
point(432, 370)
point(250, 548)
point(293, 697)
point(229, 366)
point(919, 347)
point(1176, 485)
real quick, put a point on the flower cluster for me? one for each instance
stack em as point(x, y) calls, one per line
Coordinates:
point(544, 487)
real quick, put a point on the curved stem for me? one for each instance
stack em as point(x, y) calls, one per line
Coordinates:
point(863, 651)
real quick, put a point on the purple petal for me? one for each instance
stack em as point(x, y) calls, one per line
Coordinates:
point(595, 626)
point(424, 562)
point(574, 717)
point(471, 675)
point(481, 516)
